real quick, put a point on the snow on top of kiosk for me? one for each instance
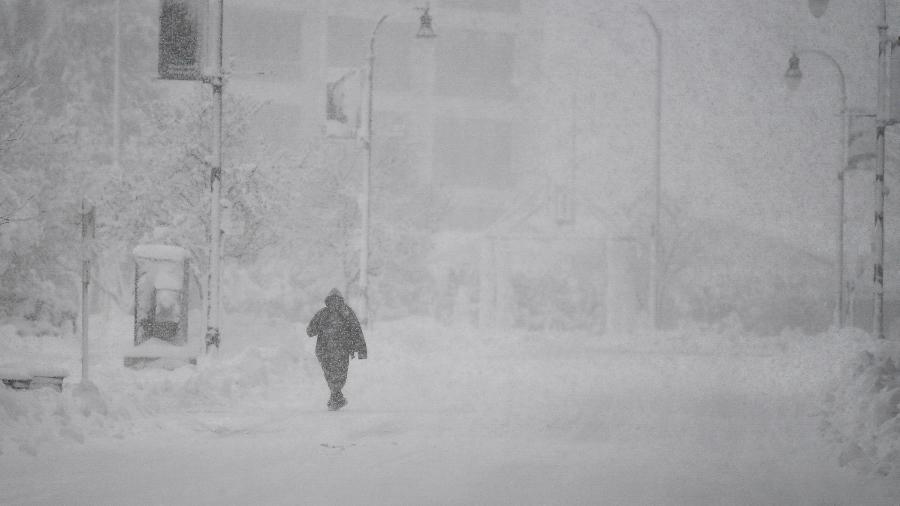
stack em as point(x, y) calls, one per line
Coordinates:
point(161, 252)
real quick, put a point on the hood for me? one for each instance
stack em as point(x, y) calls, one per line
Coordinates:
point(334, 298)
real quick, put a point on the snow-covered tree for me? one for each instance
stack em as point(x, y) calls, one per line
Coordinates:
point(55, 76)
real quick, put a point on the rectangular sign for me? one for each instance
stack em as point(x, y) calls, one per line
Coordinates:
point(182, 25)
point(343, 102)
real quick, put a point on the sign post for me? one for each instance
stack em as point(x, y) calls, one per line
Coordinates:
point(87, 236)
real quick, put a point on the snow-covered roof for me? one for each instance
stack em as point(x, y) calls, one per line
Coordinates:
point(161, 252)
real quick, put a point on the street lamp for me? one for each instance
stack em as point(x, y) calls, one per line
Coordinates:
point(657, 174)
point(792, 77)
point(426, 31)
point(214, 283)
point(656, 227)
point(653, 289)
point(882, 120)
point(818, 7)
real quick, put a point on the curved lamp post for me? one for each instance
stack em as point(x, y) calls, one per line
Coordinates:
point(657, 175)
point(654, 282)
point(792, 78)
point(426, 31)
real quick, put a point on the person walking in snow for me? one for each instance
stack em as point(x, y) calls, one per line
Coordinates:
point(340, 337)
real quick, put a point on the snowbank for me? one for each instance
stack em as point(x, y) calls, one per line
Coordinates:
point(265, 364)
point(862, 414)
point(122, 401)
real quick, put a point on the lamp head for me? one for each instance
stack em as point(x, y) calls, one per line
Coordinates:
point(425, 29)
point(817, 7)
point(793, 75)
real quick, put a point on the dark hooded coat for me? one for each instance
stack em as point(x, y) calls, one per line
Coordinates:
point(337, 327)
point(338, 335)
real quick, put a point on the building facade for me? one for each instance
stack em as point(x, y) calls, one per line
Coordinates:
point(452, 103)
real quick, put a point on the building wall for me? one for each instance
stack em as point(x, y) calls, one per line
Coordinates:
point(454, 99)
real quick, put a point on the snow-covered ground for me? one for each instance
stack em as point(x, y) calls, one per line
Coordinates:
point(450, 416)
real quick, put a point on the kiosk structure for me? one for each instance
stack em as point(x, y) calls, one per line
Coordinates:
point(161, 294)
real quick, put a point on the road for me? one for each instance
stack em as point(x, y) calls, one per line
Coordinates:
point(533, 424)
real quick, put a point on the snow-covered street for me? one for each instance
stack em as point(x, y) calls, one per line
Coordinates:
point(444, 416)
point(574, 252)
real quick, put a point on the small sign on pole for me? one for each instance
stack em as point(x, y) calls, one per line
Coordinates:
point(343, 103)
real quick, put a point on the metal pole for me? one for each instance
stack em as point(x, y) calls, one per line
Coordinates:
point(845, 141)
point(883, 118)
point(215, 222)
point(845, 153)
point(655, 246)
point(839, 314)
point(365, 206)
point(87, 233)
point(117, 86)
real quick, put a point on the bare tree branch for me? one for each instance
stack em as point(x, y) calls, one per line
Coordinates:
point(6, 93)
point(10, 217)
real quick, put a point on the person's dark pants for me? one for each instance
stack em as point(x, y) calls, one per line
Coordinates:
point(335, 362)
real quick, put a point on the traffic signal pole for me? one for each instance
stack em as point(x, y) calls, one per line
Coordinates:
point(213, 312)
point(87, 236)
point(885, 46)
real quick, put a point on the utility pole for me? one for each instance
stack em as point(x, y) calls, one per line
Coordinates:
point(845, 161)
point(655, 246)
point(425, 32)
point(117, 57)
point(657, 176)
point(792, 79)
point(87, 236)
point(366, 205)
point(882, 120)
point(213, 312)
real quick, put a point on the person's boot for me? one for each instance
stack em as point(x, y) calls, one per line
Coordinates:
point(337, 402)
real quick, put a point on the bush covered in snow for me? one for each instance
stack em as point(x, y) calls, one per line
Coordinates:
point(863, 412)
point(120, 402)
point(124, 402)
